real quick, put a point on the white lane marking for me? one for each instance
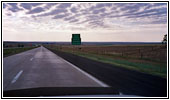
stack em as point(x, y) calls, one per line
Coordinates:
point(16, 77)
point(41, 49)
point(31, 59)
point(120, 93)
point(90, 76)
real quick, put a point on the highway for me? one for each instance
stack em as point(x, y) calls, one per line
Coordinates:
point(40, 67)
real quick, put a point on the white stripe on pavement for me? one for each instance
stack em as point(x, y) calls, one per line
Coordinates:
point(16, 77)
point(90, 76)
point(31, 59)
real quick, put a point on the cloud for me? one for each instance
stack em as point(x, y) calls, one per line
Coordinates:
point(99, 10)
point(72, 17)
point(60, 16)
point(53, 12)
point(103, 21)
point(13, 7)
point(49, 5)
point(64, 5)
point(100, 5)
point(133, 10)
point(69, 18)
point(74, 20)
point(36, 10)
point(73, 10)
point(28, 6)
point(101, 15)
point(4, 5)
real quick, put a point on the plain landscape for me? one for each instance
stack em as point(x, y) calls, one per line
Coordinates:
point(133, 64)
point(85, 49)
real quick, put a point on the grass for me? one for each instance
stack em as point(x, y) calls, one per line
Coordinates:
point(158, 69)
point(12, 51)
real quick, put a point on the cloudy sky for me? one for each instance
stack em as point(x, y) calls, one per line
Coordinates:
point(121, 22)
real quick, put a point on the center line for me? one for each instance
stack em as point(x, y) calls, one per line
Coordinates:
point(16, 77)
point(31, 59)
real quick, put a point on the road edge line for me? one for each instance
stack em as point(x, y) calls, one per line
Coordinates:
point(87, 74)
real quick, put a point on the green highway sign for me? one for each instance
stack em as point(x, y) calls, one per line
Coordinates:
point(76, 40)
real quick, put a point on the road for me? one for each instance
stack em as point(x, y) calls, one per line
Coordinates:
point(40, 67)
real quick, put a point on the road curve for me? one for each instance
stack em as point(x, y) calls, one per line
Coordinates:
point(40, 67)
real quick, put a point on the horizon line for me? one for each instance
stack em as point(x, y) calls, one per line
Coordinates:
point(84, 41)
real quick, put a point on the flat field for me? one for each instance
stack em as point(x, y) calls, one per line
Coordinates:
point(12, 51)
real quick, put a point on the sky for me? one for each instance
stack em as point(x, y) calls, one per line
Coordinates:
point(96, 22)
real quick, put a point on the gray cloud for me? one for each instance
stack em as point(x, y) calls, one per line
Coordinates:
point(30, 5)
point(26, 6)
point(60, 16)
point(69, 18)
point(95, 14)
point(36, 10)
point(14, 7)
point(54, 12)
point(100, 5)
point(99, 10)
point(49, 5)
point(4, 5)
point(74, 20)
point(64, 5)
point(73, 10)
point(97, 23)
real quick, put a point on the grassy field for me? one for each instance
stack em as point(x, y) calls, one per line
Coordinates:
point(152, 61)
point(152, 52)
point(12, 51)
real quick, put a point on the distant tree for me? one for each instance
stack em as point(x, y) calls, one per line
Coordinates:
point(4, 45)
point(20, 45)
point(164, 41)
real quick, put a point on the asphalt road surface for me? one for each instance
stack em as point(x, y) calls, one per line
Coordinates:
point(40, 67)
